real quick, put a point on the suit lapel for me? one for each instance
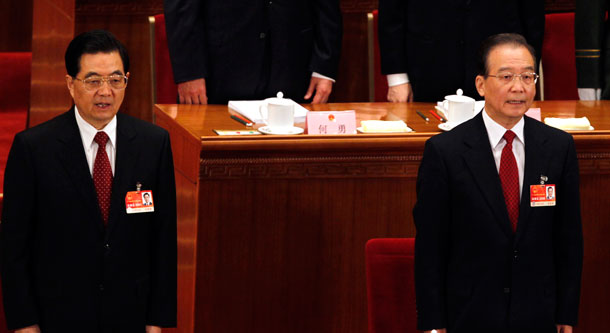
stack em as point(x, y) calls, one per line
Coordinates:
point(124, 167)
point(536, 157)
point(479, 159)
point(74, 161)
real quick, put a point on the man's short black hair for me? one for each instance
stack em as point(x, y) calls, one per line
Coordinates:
point(91, 42)
point(499, 40)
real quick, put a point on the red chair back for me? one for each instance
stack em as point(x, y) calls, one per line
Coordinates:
point(15, 81)
point(558, 57)
point(165, 89)
point(390, 284)
point(14, 101)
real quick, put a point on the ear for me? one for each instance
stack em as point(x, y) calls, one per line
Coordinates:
point(70, 83)
point(127, 75)
point(479, 82)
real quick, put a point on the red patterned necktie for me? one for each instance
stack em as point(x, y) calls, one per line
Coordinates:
point(102, 175)
point(509, 176)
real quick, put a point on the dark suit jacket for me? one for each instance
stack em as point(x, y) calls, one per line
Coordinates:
point(61, 268)
point(252, 49)
point(592, 39)
point(436, 41)
point(472, 273)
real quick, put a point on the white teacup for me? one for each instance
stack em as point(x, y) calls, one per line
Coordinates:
point(280, 112)
point(459, 108)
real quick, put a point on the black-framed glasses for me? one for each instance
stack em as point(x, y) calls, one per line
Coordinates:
point(508, 77)
point(116, 81)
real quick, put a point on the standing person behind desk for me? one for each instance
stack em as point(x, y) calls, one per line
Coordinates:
point(428, 47)
point(225, 50)
point(592, 38)
point(72, 259)
point(485, 259)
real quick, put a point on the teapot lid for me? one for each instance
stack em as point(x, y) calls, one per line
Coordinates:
point(459, 97)
point(280, 100)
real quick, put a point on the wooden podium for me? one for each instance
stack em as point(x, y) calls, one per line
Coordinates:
point(271, 229)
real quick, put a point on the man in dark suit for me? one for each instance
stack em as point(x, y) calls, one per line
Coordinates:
point(488, 258)
point(592, 41)
point(428, 47)
point(72, 259)
point(246, 50)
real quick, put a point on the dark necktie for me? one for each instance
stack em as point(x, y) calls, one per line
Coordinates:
point(102, 175)
point(509, 176)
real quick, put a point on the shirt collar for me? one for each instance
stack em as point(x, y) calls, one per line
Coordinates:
point(496, 131)
point(87, 131)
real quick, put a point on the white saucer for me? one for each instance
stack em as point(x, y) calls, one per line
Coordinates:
point(281, 131)
point(360, 130)
point(448, 126)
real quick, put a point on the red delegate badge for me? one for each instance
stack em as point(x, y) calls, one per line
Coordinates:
point(139, 202)
point(542, 195)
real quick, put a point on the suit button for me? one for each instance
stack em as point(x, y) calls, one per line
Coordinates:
point(262, 35)
point(507, 290)
point(270, 3)
point(107, 246)
point(101, 287)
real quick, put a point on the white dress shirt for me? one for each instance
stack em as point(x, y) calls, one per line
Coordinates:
point(87, 133)
point(496, 132)
point(589, 94)
point(320, 76)
point(397, 79)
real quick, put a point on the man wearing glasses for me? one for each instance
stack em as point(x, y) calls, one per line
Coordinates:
point(487, 257)
point(73, 259)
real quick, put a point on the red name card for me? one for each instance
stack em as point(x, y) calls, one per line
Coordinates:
point(331, 122)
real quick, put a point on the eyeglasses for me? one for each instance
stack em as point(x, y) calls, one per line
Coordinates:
point(116, 81)
point(508, 77)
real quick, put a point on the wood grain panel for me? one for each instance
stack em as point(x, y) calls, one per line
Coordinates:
point(52, 31)
point(595, 290)
point(185, 153)
point(16, 32)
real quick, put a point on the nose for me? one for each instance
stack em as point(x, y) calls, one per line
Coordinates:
point(517, 84)
point(105, 89)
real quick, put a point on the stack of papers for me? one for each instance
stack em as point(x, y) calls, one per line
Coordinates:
point(569, 124)
point(253, 111)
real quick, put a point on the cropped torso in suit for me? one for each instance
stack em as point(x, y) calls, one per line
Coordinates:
point(436, 41)
point(253, 49)
point(473, 274)
point(61, 267)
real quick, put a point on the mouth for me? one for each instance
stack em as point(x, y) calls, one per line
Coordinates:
point(102, 105)
point(515, 102)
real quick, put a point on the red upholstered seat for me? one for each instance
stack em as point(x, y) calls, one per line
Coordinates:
point(558, 58)
point(165, 89)
point(391, 285)
point(14, 100)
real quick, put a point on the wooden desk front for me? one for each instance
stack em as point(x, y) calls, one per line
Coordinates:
point(271, 229)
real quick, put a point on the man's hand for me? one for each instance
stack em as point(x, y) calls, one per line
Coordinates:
point(323, 87)
point(400, 93)
point(153, 329)
point(564, 329)
point(192, 92)
point(29, 329)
